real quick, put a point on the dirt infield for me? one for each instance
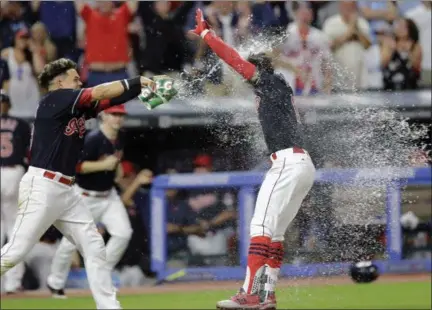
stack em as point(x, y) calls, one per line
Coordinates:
point(226, 285)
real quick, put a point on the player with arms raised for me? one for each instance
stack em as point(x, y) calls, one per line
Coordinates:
point(287, 182)
point(46, 194)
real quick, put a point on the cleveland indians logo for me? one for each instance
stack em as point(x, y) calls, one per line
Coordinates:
point(75, 125)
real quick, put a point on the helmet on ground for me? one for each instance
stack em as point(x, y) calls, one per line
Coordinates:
point(364, 272)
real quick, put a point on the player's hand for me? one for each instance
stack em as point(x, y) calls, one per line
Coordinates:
point(146, 82)
point(110, 162)
point(144, 177)
point(201, 24)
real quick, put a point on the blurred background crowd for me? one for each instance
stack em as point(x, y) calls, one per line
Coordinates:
point(331, 46)
point(321, 47)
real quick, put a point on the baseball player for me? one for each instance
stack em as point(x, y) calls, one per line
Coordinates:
point(46, 192)
point(96, 173)
point(286, 183)
point(15, 141)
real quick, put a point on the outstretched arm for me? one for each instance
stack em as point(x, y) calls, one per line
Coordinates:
point(223, 50)
point(105, 95)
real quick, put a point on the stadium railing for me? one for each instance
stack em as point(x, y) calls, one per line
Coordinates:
point(393, 178)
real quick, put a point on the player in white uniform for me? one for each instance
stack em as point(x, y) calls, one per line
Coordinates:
point(15, 141)
point(97, 171)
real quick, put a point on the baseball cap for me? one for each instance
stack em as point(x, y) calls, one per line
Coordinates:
point(118, 109)
point(203, 160)
point(4, 98)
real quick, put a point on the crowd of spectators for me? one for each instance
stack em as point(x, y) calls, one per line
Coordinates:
point(321, 46)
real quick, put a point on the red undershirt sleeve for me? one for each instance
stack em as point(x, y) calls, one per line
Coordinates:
point(230, 56)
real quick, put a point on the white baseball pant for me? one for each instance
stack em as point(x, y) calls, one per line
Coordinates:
point(109, 211)
point(43, 202)
point(10, 179)
point(285, 186)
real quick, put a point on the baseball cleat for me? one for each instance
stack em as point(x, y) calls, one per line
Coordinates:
point(240, 301)
point(269, 303)
point(57, 294)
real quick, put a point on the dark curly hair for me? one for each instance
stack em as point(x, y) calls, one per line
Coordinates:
point(54, 69)
point(262, 62)
point(413, 32)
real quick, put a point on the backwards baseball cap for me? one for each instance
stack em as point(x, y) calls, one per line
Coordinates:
point(118, 109)
point(4, 98)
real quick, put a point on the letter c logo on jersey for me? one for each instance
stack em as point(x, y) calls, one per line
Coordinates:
point(76, 125)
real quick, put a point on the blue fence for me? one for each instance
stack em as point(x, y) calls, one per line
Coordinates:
point(394, 178)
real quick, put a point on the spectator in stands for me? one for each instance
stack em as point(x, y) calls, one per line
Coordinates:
point(215, 215)
point(421, 15)
point(181, 223)
point(13, 18)
point(134, 189)
point(41, 43)
point(306, 52)
point(24, 65)
point(107, 44)
point(4, 75)
point(165, 46)
point(378, 13)
point(401, 57)
point(349, 39)
point(59, 18)
point(244, 12)
point(372, 56)
point(263, 17)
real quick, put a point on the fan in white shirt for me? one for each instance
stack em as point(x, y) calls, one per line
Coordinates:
point(422, 16)
point(349, 36)
point(304, 57)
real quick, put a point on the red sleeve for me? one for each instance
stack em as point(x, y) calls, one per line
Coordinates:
point(84, 99)
point(86, 12)
point(230, 56)
point(125, 12)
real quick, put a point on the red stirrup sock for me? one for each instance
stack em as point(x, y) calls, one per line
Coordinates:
point(257, 258)
point(274, 263)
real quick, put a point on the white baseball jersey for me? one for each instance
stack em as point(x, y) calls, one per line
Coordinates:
point(306, 52)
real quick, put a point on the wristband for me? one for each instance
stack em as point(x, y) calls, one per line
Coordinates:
point(134, 82)
point(204, 32)
point(125, 85)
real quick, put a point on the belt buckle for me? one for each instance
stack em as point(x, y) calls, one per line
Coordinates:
point(72, 181)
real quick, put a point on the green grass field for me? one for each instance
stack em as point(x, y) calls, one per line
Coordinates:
point(411, 295)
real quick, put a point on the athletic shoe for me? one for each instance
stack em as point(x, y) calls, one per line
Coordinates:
point(269, 303)
point(240, 301)
point(57, 294)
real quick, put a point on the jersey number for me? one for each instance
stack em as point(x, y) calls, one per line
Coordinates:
point(6, 144)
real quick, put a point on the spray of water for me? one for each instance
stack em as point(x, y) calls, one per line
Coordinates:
point(369, 137)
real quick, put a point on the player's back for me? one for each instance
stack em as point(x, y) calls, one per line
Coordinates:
point(58, 132)
point(15, 140)
point(278, 116)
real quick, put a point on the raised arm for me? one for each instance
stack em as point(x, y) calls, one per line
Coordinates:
point(223, 50)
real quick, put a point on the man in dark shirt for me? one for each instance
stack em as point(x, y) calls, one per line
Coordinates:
point(15, 141)
point(286, 183)
point(46, 194)
point(97, 171)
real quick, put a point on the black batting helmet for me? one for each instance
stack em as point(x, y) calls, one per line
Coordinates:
point(262, 62)
point(364, 272)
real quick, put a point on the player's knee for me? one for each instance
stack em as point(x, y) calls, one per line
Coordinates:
point(260, 229)
point(124, 234)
